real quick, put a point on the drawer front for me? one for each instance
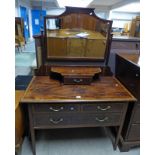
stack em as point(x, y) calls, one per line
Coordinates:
point(77, 80)
point(50, 120)
point(53, 120)
point(59, 108)
point(103, 107)
point(125, 45)
point(134, 133)
point(98, 119)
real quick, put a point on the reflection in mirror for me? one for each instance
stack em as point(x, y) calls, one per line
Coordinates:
point(52, 24)
point(75, 43)
point(86, 40)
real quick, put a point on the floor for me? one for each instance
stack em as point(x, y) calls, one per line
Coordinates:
point(25, 59)
point(82, 141)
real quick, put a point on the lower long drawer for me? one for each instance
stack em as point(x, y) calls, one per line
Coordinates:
point(53, 121)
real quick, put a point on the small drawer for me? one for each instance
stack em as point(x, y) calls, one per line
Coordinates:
point(103, 107)
point(77, 80)
point(50, 120)
point(55, 108)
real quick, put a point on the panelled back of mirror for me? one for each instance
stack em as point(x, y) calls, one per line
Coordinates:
point(77, 34)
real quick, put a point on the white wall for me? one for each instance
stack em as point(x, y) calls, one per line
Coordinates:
point(55, 11)
point(17, 9)
point(103, 14)
point(120, 18)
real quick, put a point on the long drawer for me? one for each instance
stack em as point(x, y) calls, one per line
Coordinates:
point(41, 120)
point(44, 107)
point(93, 107)
point(102, 107)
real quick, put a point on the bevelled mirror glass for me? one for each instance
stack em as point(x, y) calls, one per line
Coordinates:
point(76, 36)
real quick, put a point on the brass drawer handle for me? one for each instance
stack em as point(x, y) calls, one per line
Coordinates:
point(103, 109)
point(56, 121)
point(77, 80)
point(101, 120)
point(56, 110)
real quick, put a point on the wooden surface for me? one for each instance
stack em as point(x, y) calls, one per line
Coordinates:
point(75, 75)
point(125, 38)
point(121, 45)
point(85, 71)
point(66, 44)
point(74, 33)
point(71, 43)
point(19, 118)
point(128, 72)
point(54, 105)
point(44, 89)
point(133, 58)
point(18, 95)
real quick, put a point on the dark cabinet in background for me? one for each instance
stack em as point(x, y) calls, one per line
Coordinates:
point(128, 73)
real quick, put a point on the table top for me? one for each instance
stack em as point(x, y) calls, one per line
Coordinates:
point(74, 33)
point(125, 38)
point(43, 89)
point(133, 58)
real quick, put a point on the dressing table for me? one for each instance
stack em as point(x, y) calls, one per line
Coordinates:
point(55, 105)
point(70, 89)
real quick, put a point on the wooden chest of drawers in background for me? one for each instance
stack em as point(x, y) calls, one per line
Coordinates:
point(128, 72)
point(124, 45)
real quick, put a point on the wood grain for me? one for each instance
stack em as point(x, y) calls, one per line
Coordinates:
point(133, 58)
point(19, 119)
point(43, 89)
point(85, 71)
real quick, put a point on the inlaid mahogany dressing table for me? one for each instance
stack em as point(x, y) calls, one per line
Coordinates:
point(71, 89)
point(55, 105)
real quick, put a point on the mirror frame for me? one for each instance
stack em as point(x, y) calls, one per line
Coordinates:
point(90, 12)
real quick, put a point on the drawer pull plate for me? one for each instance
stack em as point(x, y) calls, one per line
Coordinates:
point(56, 110)
point(103, 109)
point(56, 121)
point(77, 80)
point(101, 120)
